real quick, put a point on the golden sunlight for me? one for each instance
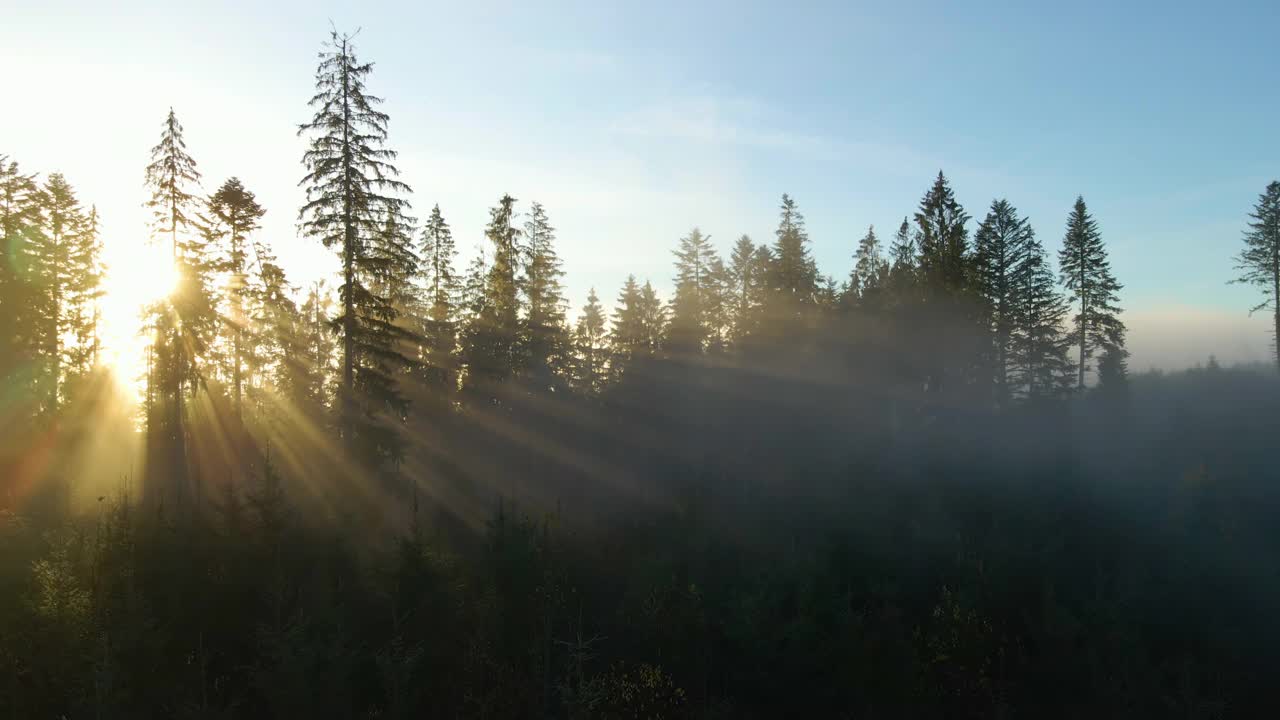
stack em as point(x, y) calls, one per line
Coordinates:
point(137, 275)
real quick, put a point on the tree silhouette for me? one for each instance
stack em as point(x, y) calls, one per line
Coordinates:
point(352, 194)
point(1259, 261)
point(1086, 273)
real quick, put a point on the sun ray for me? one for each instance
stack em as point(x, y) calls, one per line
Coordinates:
point(138, 275)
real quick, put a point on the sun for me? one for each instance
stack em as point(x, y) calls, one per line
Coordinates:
point(137, 276)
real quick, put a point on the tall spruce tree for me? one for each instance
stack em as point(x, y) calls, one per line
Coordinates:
point(695, 295)
point(1039, 347)
point(180, 319)
point(627, 337)
point(794, 276)
point(589, 345)
point(1001, 250)
point(493, 333)
point(953, 325)
point(88, 332)
point(442, 288)
point(352, 194)
point(19, 224)
point(870, 269)
point(744, 290)
point(1086, 273)
point(234, 215)
point(943, 239)
point(1259, 261)
point(545, 334)
point(64, 267)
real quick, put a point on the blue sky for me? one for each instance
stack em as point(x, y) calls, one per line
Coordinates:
point(634, 122)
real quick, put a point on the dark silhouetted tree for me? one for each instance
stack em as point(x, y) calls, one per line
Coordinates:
point(442, 287)
point(1038, 347)
point(352, 193)
point(695, 295)
point(64, 268)
point(181, 320)
point(545, 333)
point(870, 269)
point(591, 353)
point(1259, 261)
point(1086, 273)
point(234, 214)
point(1001, 251)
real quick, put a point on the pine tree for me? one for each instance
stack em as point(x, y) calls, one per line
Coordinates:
point(1001, 250)
point(870, 269)
point(1259, 262)
point(19, 223)
point(943, 240)
point(589, 341)
point(720, 305)
point(181, 319)
point(234, 215)
point(1086, 273)
point(1038, 350)
point(953, 326)
point(440, 324)
point(1113, 377)
point(310, 369)
point(653, 319)
point(493, 334)
point(794, 277)
point(627, 337)
point(545, 334)
point(352, 194)
point(88, 330)
point(744, 290)
point(275, 331)
point(64, 268)
point(695, 291)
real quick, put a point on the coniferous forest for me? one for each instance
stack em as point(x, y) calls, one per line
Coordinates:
point(924, 485)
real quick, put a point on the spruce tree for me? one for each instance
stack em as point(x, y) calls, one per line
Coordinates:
point(493, 335)
point(180, 319)
point(695, 295)
point(276, 332)
point(794, 277)
point(311, 368)
point(903, 251)
point(744, 290)
point(19, 223)
point(1039, 347)
point(952, 321)
point(63, 266)
point(1001, 249)
point(88, 320)
point(1086, 273)
point(1259, 261)
point(943, 239)
point(589, 341)
point(653, 319)
point(442, 287)
point(627, 337)
point(545, 334)
point(352, 194)
point(234, 215)
point(870, 269)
